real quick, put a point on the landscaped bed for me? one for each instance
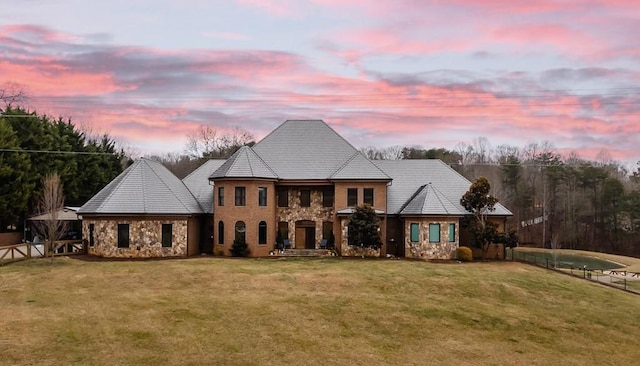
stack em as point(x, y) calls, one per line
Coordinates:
point(309, 311)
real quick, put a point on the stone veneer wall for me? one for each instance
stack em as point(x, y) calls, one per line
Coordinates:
point(423, 248)
point(347, 250)
point(145, 238)
point(316, 213)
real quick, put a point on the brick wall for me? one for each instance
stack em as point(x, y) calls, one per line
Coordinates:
point(251, 214)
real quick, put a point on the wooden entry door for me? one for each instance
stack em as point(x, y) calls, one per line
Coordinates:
point(305, 235)
point(310, 238)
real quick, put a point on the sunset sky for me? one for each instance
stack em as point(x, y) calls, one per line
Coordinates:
point(382, 73)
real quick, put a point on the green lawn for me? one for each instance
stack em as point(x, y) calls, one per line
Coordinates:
point(309, 312)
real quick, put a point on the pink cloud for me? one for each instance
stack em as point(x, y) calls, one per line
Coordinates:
point(560, 37)
point(139, 94)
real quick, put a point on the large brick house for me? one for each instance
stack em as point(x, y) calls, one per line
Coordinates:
point(299, 184)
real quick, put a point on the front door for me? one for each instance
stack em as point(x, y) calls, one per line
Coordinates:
point(310, 238)
point(305, 234)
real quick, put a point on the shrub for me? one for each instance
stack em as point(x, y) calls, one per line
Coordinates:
point(239, 248)
point(218, 250)
point(464, 254)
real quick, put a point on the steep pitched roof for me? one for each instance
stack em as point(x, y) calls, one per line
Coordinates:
point(359, 167)
point(410, 178)
point(198, 183)
point(245, 163)
point(310, 149)
point(428, 200)
point(146, 187)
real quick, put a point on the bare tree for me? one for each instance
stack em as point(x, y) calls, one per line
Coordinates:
point(208, 142)
point(50, 204)
point(11, 93)
point(482, 148)
point(179, 164)
point(392, 153)
point(388, 153)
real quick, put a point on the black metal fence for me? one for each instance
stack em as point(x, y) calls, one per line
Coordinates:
point(617, 278)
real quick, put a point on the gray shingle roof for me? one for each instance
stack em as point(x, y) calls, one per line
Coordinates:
point(198, 183)
point(310, 149)
point(245, 163)
point(409, 176)
point(428, 200)
point(359, 167)
point(146, 187)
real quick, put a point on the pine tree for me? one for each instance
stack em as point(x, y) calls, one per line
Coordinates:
point(16, 186)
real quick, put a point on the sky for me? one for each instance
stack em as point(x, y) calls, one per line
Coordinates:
point(381, 73)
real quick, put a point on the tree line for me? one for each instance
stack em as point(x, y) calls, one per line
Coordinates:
point(33, 146)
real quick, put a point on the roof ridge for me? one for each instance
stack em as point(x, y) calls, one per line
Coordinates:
point(356, 154)
point(344, 165)
point(262, 161)
point(234, 158)
point(160, 178)
point(125, 174)
point(271, 133)
point(246, 155)
point(413, 196)
point(428, 188)
point(441, 196)
point(144, 184)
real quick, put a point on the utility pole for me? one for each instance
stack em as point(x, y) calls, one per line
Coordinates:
point(544, 207)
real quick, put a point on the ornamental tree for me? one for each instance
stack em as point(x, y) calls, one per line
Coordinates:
point(478, 201)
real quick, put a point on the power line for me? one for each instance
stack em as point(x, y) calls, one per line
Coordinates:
point(496, 93)
point(57, 152)
point(389, 106)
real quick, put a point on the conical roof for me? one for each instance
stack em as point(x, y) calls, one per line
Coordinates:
point(245, 163)
point(428, 200)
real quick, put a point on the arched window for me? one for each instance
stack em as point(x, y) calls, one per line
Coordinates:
point(220, 232)
point(262, 232)
point(241, 231)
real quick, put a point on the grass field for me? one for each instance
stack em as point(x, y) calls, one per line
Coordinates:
point(309, 312)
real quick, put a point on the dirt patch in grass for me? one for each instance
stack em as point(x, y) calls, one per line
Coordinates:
point(308, 311)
